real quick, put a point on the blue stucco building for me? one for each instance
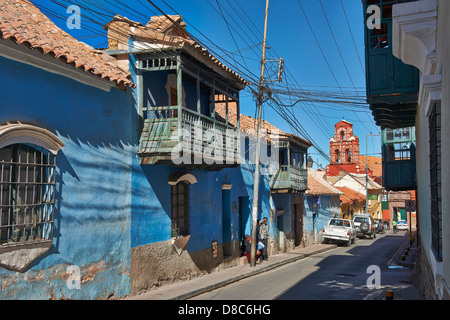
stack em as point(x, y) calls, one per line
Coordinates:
point(191, 206)
point(66, 154)
point(321, 203)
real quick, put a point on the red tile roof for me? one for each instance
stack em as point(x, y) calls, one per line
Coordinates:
point(317, 185)
point(350, 195)
point(250, 125)
point(23, 23)
point(374, 164)
point(164, 31)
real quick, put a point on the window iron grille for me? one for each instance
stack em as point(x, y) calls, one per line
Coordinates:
point(180, 209)
point(435, 180)
point(27, 195)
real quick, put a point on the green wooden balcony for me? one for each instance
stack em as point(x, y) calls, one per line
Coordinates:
point(392, 86)
point(289, 179)
point(175, 135)
point(399, 159)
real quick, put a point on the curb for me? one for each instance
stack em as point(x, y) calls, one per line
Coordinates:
point(395, 260)
point(223, 283)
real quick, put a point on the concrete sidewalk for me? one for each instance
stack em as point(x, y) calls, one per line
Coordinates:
point(405, 257)
point(187, 289)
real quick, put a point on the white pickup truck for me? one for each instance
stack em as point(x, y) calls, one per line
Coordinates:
point(340, 230)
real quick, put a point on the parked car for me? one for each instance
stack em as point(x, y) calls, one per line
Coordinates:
point(402, 225)
point(340, 230)
point(365, 225)
point(379, 226)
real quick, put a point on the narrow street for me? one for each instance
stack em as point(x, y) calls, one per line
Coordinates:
point(153, 150)
point(341, 273)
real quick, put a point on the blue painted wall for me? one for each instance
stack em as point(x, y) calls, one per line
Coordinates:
point(151, 218)
point(93, 200)
point(318, 212)
point(283, 202)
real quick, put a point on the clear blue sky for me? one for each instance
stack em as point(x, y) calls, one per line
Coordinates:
point(232, 30)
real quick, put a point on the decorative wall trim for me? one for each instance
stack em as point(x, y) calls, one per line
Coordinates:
point(430, 91)
point(182, 176)
point(18, 259)
point(24, 133)
point(414, 28)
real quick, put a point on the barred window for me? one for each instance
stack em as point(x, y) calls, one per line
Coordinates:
point(27, 191)
point(435, 180)
point(180, 209)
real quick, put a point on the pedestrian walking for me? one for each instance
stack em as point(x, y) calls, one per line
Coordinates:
point(264, 237)
point(394, 226)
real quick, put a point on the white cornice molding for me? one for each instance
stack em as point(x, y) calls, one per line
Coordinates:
point(414, 27)
point(23, 54)
point(182, 176)
point(430, 91)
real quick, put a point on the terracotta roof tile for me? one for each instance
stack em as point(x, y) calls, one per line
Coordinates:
point(350, 195)
point(161, 30)
point(23, 23)
point(374, 164)
point(247, 124)
point(317, 185)
point(250, 125)
point(164, 25)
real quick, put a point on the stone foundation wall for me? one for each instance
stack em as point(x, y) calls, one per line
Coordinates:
point(158, 264)
point(423, 277)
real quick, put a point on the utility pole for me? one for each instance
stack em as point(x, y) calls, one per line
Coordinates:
point(367, 172)
point(258, 145)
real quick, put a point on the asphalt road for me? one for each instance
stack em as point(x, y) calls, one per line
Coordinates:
point(345, 273)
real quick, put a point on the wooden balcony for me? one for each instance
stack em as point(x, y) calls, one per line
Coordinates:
point(175, 135)
point(399, 159)
point(289, 179)
point(399, 175)
point(392, 86)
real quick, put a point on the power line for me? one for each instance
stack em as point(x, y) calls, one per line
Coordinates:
point(321, 50)
point(309, 101)
point(353, 39)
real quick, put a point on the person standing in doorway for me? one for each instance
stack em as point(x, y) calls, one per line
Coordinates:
point(264, 237)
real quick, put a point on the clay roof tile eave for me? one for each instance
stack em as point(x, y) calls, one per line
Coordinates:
point(24, 23)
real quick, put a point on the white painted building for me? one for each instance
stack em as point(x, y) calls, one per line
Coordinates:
point(421, 38)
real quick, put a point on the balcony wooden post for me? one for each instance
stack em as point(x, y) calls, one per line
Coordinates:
point(179, 97)
point(289, 161)
point(199, 105)
point(140, 83)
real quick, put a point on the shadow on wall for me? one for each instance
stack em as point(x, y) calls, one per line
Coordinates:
point(155, 261)
point(93, 172)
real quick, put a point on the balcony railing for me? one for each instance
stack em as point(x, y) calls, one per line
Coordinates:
point(289, 179)
point(180, 136)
